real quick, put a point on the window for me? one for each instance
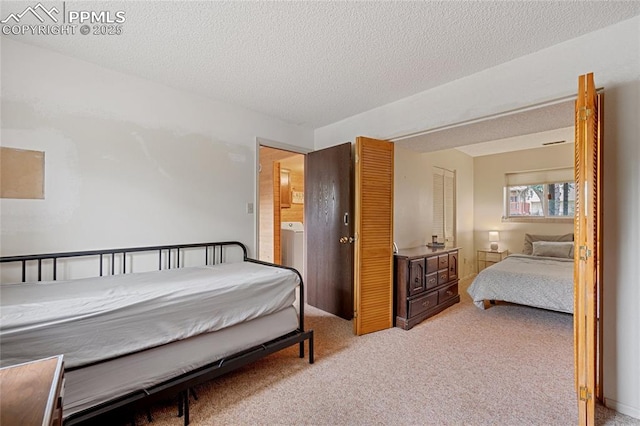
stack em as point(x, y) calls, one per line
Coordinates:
point(541, 194)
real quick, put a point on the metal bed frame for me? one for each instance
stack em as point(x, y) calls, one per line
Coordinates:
point(181, 385)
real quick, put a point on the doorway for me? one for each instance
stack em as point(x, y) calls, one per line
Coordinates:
point(564, 112)
point(280, 209)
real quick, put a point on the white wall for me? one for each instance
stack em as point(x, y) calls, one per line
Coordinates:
point(621, 236)
point(489, 171)
point(613, 55)
point(128, 162)
point(412, 199)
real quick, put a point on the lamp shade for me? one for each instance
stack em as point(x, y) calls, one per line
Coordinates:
point(494, 237)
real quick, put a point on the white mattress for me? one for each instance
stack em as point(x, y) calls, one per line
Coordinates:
point(93, 319)
point(97, 383)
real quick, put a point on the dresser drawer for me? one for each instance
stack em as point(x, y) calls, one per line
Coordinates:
point(421, 304)
point(447, 293)
point(443, 261)
point(492, 257)
point(432, 280)
point(432, 264)
point(443, 276)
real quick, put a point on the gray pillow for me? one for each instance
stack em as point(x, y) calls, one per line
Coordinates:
point(553, 249)
point(530, 238)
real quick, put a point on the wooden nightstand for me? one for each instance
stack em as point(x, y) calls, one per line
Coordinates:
point(32, 393)
point(488, 257)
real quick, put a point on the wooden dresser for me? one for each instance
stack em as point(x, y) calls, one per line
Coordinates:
point(32, 393)
point(425, 283)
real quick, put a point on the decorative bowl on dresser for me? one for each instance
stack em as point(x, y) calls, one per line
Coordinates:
point(425, 283)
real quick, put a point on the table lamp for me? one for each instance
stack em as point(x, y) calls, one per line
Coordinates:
point(494, 237)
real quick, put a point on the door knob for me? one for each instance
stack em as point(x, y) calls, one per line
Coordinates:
point(346, 240)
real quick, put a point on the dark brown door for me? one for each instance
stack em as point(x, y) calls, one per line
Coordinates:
point(328, 223)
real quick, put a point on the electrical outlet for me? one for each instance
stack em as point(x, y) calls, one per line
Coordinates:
point(249, 208)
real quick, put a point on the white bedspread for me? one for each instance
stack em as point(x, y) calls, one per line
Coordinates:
point(93, 319)
point(542, 282)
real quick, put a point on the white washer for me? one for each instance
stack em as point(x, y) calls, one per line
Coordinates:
point(292, 245)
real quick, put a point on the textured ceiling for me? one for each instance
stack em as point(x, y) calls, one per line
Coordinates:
point(500, 133)
point(315, 63)
point(549, 138)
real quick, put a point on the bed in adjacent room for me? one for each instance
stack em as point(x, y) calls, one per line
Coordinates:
point(541, 277)
point(128, 336)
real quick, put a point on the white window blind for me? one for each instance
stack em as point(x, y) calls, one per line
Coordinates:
point(536, 177)
point(444, 212)
point(449, 206)
point(438, 204)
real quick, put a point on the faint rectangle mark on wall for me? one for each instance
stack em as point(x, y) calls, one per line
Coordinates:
point(21, 173)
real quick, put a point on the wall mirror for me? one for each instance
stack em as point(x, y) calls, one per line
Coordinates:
point(285, 188)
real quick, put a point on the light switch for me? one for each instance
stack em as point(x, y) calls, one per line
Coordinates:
point(249, 208)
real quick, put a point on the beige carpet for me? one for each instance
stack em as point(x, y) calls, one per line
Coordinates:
point(508, 365)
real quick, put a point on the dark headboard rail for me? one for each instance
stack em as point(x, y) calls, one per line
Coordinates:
point(214, 253)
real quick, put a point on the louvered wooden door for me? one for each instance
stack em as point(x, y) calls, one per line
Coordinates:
point(374, 236)
point(277, 226)
point(588, 253)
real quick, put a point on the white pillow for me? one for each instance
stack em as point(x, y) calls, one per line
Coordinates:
point(530, 238)
point(553, 249)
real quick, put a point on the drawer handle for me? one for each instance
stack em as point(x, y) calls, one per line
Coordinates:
point(426, 303)
point(417, 279)
point(449, 293)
